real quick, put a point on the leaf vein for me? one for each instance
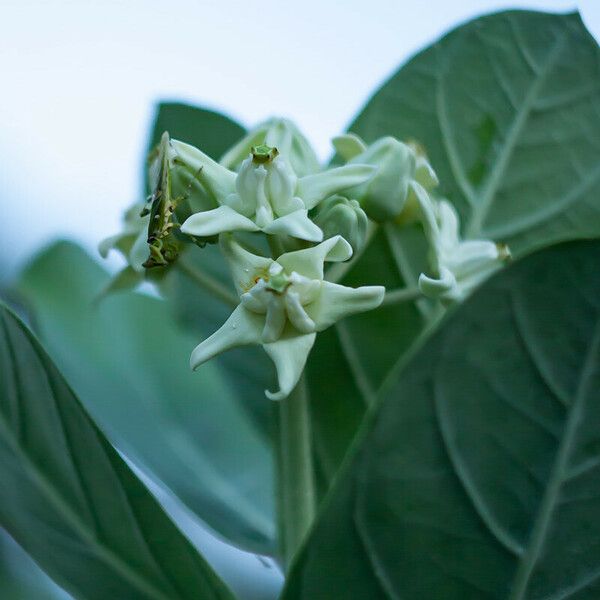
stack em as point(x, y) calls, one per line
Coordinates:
point(460, 470)
point(481, 209)
point(558, 474)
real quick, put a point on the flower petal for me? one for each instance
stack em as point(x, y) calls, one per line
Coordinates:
point(275, 321)
point(281, 186)
point(245, 266)
point(427, 214)
point(218, 180)
point(217, 220)
point(449, 225)
point(241, 328)
point(107, 244)
point(314, 188)
point(282, 134)
point(348, 145)
point(472, 256)
point(338, 301)
point(293, 147)
point(436, 288)
point(139, 251)
point(238, 153)
point(309, 262)
point(289, 354)
point(298, 225)
point(297, 314)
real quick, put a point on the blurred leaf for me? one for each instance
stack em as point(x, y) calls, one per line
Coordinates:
point(508, 109)
point(21, 578)
point(70, 500)
point(476, 475)
point(248, 369)
point(130, 363)
point(213, 132)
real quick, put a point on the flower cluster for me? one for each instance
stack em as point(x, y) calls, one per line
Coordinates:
point(271, 183)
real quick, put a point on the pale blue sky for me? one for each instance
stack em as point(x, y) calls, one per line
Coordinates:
point(80, 80)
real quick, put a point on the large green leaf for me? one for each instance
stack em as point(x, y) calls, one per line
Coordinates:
point(476, 475)
point(129, 362)
point(70, 500)
point(508, 109)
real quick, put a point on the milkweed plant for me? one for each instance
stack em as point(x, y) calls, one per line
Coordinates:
point(429, 302)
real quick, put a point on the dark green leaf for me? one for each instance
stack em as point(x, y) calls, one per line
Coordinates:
point(130, 363)
point(508, 110)
point(476, 475)
point(70, 500)
point(210, 131)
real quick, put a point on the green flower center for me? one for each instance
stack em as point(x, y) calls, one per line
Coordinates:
point(278, 283)
point(263, 154)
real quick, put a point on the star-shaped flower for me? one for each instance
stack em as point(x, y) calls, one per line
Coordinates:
point(385, 196)
point(265, 195)
point(283, 304)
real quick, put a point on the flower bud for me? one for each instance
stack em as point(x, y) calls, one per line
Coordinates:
point(282, 134)
point(340, 216)
point(426, 177)
point(457, 266)
point(384, 196)
point(388, 195)
point(265, 187)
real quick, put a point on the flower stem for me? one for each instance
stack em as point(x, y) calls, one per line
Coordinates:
point(401, 295)
point(296, 486)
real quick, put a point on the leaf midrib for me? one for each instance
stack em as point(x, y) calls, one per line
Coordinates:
point(543, 520)
point(490, 187)
point(55, 498)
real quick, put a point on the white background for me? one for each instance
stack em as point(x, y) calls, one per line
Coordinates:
point(79, 81)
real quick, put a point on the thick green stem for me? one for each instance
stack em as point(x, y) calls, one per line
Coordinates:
point(296, 486)
point(401, 295)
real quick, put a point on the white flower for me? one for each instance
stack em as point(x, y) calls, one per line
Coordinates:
point(384, 197)
point(282, 134)
point(460, 265)
point(283, 304)
point(342, 216)
point(266, 195)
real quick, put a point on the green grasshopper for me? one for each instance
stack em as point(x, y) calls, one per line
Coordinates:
point(163, 247)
